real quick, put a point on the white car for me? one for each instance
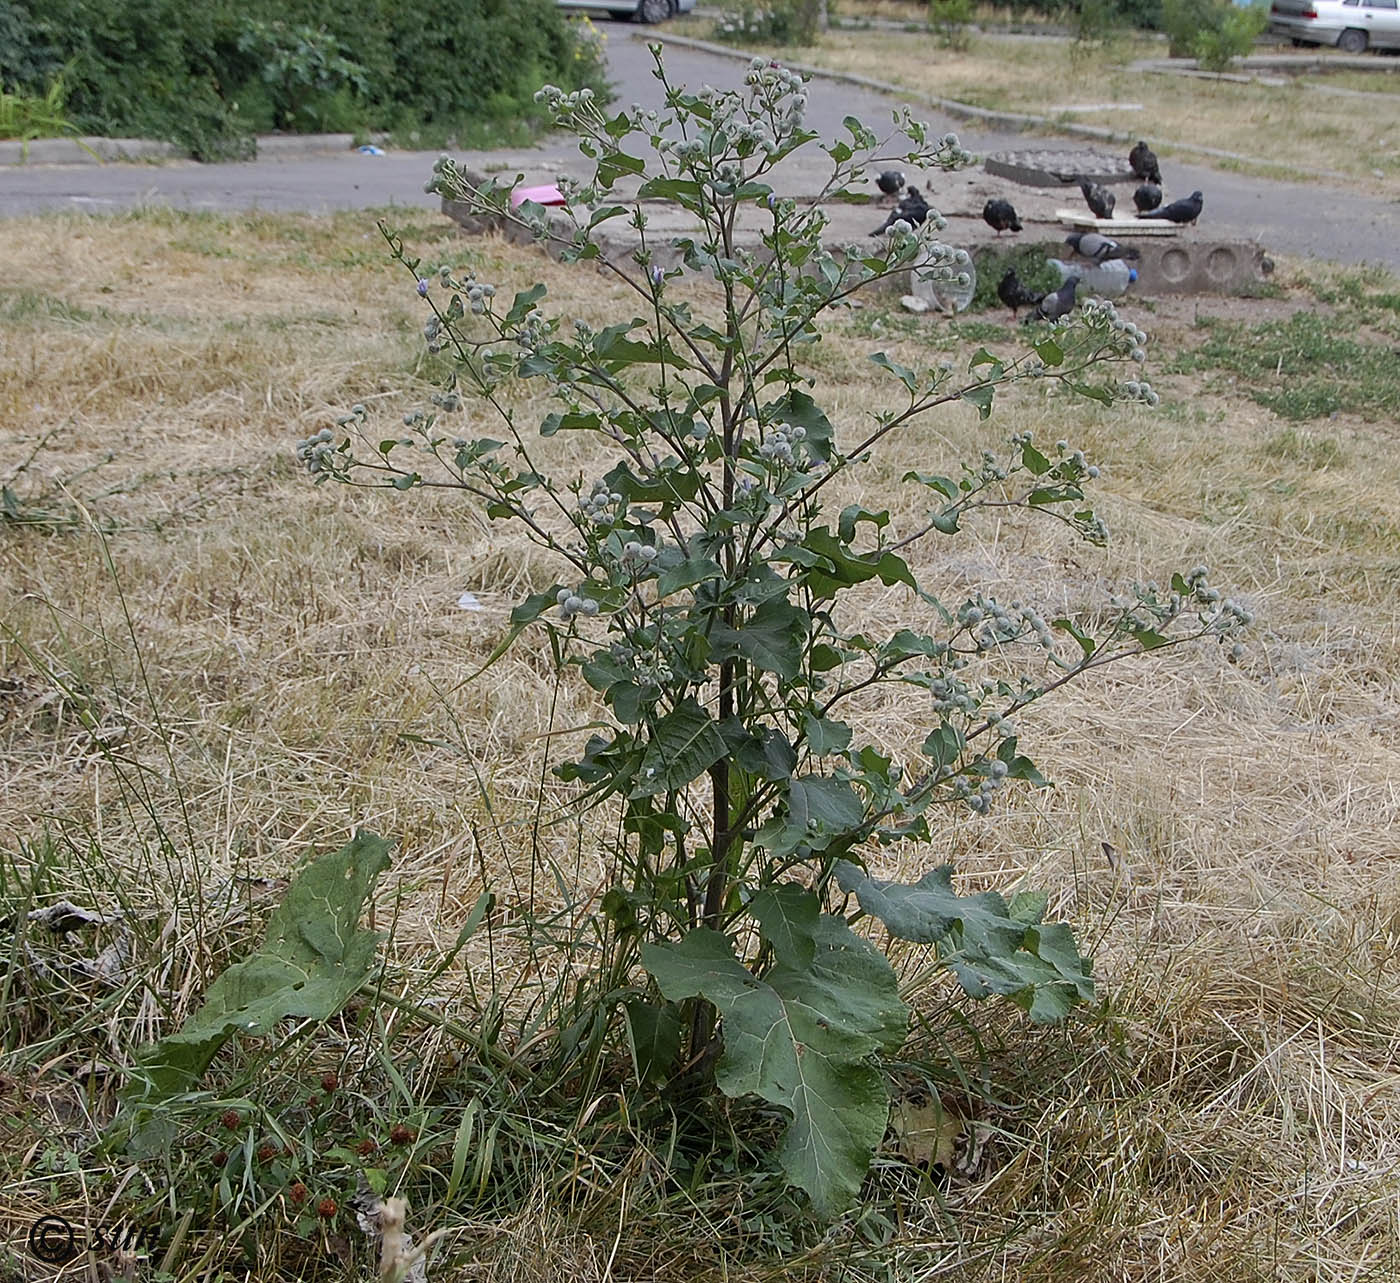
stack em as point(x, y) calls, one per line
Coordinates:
point(642, 10)
point(1352, 25)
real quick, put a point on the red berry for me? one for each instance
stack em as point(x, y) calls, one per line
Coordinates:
point(220, 1158)
point(329, 1082)
point(400, 1134)
point(297, 1193)
point(325, 1209)
point(230, 1119)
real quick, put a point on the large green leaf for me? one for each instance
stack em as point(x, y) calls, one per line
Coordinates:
point(991, 947)
point(787, 918)
point(771, 639)
point(819, 810)
point(684, 745)
point(801, 1039)
point(314, 957)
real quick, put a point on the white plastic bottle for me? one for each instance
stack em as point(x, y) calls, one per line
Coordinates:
point(1106, 280)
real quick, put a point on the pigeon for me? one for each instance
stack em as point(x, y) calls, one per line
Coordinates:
point(1148, 196)
point(1060, 303)
point(1142, 160)
point(1099, 199)
point(1187, 210)
point(1099, 248)
point(889, 182)
point(913, 209)
point(1012, 291)
point(1000, 216)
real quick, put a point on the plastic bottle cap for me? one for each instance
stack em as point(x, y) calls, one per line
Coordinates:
point(1132, 275)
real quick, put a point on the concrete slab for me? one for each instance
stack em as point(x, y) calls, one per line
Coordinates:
point(1182, 262)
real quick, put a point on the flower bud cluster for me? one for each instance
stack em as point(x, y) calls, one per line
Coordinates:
point(952, 153)
point(637, 555)
point(778, 445)
point(980, 798)
point(602, 505)
point(952, 697)
point(560, 103)
point(571, 604)
point(942, 263)
point(446, 179)
point(992, 468)
point(1139, 390)
point(993, 624)
point(317, 453)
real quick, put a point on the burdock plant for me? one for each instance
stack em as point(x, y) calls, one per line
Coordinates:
point(704, 588)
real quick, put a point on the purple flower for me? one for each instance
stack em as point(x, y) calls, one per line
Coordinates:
point(422, 288)
point(772, 201)
point(657, 276)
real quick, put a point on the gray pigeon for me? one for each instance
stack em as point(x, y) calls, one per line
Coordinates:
point(1099, 199)
point(1187, 210)
point(1060, 303)
point(1099, 248)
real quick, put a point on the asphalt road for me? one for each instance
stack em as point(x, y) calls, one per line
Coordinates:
point(1292, 218)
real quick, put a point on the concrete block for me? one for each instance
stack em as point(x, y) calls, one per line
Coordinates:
point(1047, 167)
point(1186, 265)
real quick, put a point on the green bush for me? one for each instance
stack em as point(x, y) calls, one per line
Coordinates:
point(1217, 47)
point(789, 22)
point(1215, 32)
point(208, 76)
point(949, 20)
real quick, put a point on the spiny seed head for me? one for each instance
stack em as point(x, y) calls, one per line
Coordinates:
point(297, 1192)
point(329, 1082)
point(400, 1135)
point(326, 1209)
point(230, 1119)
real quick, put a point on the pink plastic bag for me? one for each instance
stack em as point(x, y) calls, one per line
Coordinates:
point(550, 195)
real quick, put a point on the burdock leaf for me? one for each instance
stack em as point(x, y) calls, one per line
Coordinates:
point(684, 745)
point(314, 957)
point(991, 946)
point(801, 1039)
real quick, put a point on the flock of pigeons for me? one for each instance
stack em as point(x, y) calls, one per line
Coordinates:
point(1000, 215)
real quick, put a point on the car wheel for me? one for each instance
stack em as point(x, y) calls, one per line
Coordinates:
point(653, 10)
point(1352, 41)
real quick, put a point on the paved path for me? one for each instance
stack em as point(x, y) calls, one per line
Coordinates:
point(1293, 218)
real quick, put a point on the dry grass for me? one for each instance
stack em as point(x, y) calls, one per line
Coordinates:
point(1285, 128)
point(1233, 1112)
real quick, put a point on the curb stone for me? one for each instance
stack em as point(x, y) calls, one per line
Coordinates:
point(91, 150)
point(1016, 121)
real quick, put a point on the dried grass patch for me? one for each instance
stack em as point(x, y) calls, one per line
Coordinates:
point(1231, 1113)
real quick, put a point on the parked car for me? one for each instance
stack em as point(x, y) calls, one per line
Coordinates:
point(642, 10)
point(1352, 25)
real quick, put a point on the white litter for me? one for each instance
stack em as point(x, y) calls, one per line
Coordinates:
point(468, 601)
